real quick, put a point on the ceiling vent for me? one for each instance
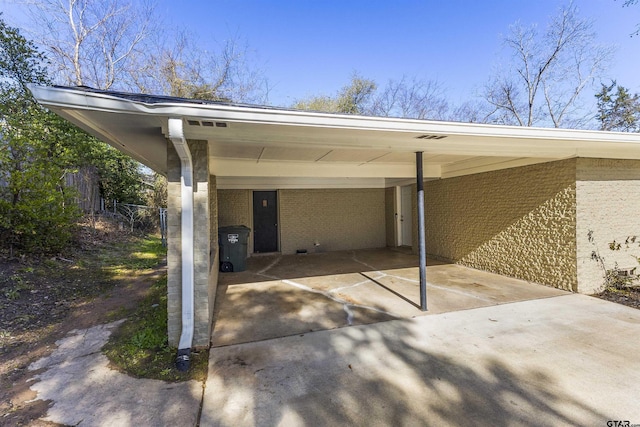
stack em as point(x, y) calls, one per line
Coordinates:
point(431, 137)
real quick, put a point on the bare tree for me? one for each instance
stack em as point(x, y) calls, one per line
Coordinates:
point(121, 44)
point(180, 68)
point(411, 98)
point(93, 42)
point(548, 73)
point(631, 3)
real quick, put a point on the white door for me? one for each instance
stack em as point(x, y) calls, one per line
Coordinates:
point(406, 217)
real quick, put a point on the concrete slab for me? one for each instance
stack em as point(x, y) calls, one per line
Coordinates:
point(287, 295)
point(83, 390)
point(565, 360)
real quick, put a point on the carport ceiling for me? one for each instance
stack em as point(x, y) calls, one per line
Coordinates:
point(246, 141)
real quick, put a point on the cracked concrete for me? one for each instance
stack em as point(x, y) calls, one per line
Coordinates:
point(84, 391)
point(564, 360)
point(500, 352)
point(295, 294)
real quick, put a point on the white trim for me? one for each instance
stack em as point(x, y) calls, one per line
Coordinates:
point(79, 99)
point(251, 127)
point(176, 135)
point(242, 168)
point(283, 183)
point(397, 208)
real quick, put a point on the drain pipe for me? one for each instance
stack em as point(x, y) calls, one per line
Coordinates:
point(176, 135)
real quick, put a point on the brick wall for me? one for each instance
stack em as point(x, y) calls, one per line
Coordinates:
point(201, 242)
point(390, 215)
point(235, 208)
point(174, 248)
point(339, 219)
point(608, 210)
point(518, 222)
point(214, 252)
point(204, 278)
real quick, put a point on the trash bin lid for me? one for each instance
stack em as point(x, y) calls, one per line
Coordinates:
point(236, 229)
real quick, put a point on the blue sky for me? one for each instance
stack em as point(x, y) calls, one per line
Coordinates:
point(310, 47)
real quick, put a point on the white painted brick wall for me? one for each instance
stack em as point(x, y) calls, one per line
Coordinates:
point(608, 210)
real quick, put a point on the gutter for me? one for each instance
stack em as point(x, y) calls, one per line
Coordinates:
point(176, 135)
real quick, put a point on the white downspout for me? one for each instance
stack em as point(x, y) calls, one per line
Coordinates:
point(176, 135)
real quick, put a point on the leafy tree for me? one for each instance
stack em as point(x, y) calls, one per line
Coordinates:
point(618, 110)
point(406, 98)
point(548, 73)
point(36, 210)
point(353, 98)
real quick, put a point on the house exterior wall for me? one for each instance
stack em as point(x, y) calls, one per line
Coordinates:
point(518, 222)
point(390, 215)
point(174, 247)
point(214, 252)
point(608, 211)
point(205, 276)
point(234, 208)
point(338, 219)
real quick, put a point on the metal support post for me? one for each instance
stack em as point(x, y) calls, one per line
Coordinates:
point(421, 234)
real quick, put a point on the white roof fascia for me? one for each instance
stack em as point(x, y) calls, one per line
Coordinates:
point(78, 99)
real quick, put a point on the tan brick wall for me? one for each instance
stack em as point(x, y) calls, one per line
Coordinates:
point(339, 219)
point(174, 248)
point(201, 242)
point(608, 210)
point(235, 208)
point(214, 253)
point(518, 222)
point(390, 215)
point(204, 277)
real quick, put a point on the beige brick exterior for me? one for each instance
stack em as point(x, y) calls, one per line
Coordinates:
point(205, 277)
point(235, 208)
point(174, 238)
point(608, 210)
point(550, 223)
point(339, 219)
point(518, 222)
point(390, 215)
point(214, 253)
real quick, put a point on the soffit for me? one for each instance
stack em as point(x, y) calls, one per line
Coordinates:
point(311, 144)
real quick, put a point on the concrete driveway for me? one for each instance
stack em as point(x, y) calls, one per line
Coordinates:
point(491, 352)
point(287, 295)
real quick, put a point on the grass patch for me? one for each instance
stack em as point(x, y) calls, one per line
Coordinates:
point(145, 253)
point(140, 348)
point(36, 292)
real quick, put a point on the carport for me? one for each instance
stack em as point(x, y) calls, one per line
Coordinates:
point(521, 202)
point(287, 295)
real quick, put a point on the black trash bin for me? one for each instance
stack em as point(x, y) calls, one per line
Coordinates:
point(233, 247)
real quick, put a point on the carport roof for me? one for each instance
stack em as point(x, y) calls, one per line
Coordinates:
point(255, 141)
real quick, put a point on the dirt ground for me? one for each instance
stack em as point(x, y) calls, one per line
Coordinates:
point(629, 297)
point(42, 299)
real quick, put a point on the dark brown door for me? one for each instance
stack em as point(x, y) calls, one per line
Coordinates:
point(265, 221)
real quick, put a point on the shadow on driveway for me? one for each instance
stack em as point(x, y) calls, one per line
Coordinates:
point(542, 362)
